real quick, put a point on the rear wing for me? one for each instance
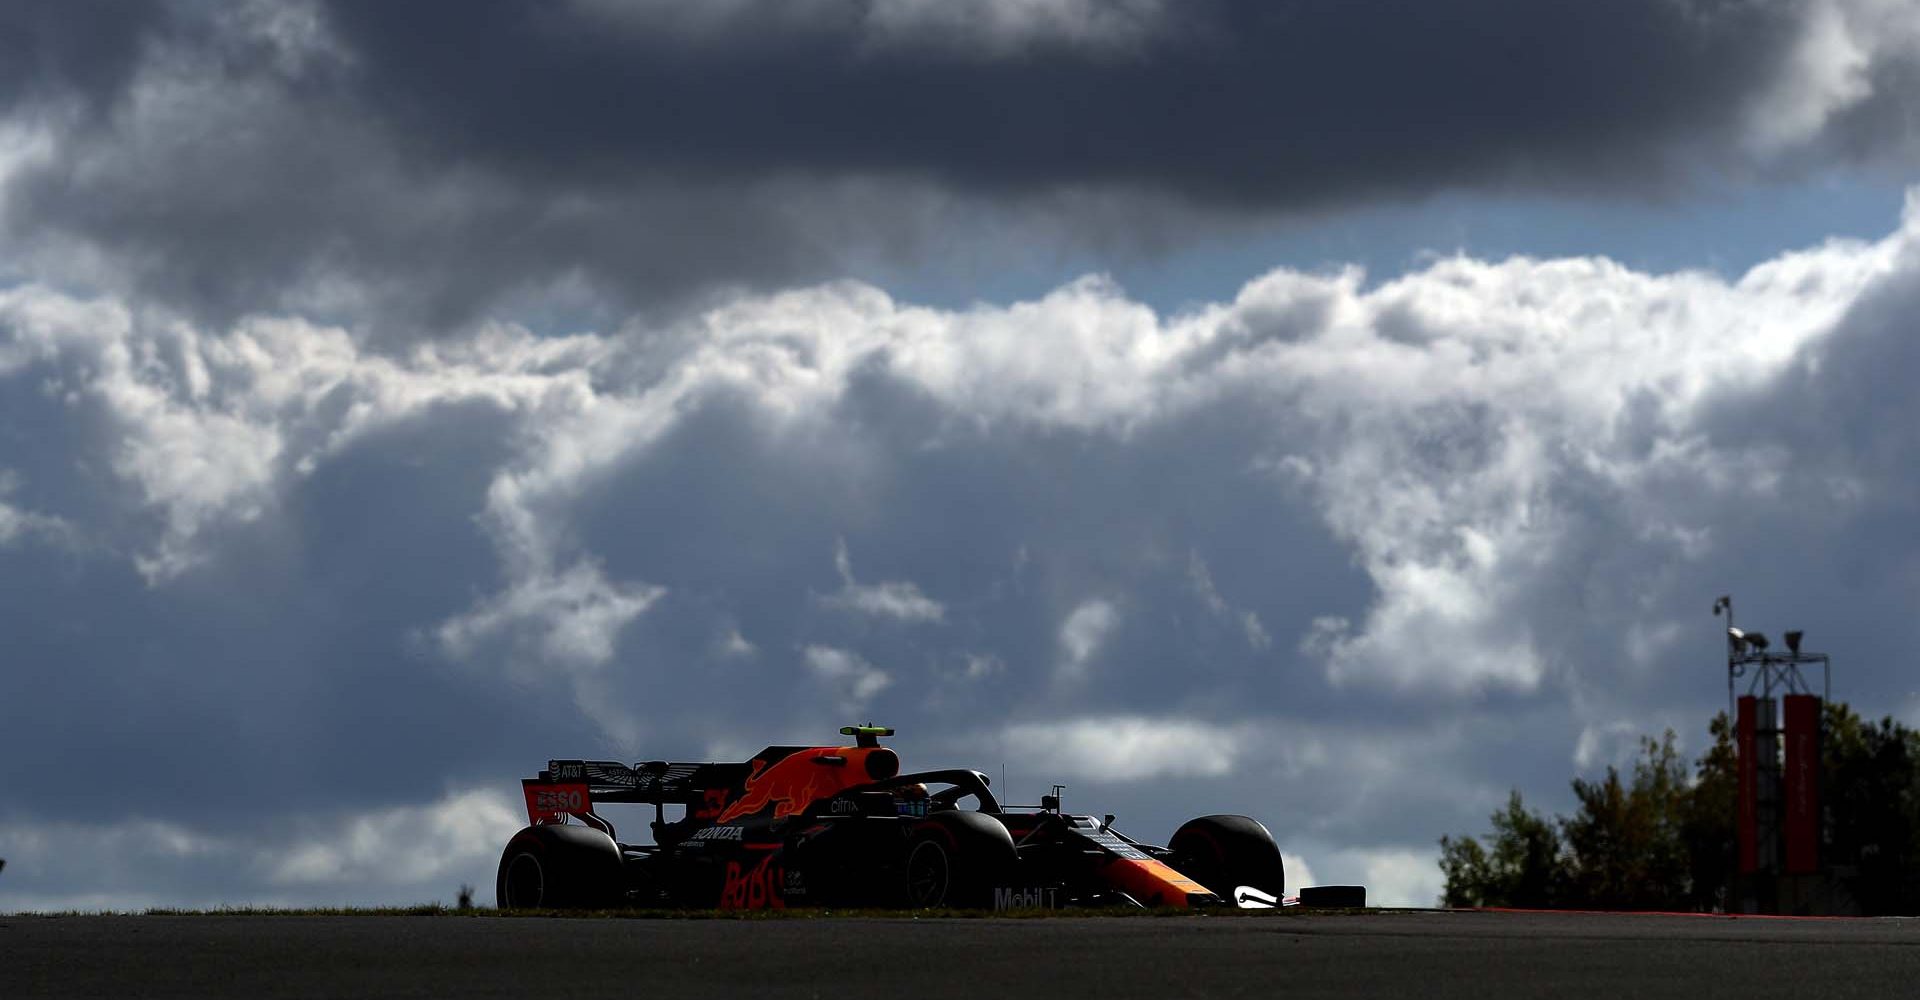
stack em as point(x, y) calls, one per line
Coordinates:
point(781, 780)
point(656, 782)
point(574, 787)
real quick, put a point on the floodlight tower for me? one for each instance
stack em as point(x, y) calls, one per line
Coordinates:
point(1778, 824)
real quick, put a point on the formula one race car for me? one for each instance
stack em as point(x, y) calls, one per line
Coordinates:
point(841, 826)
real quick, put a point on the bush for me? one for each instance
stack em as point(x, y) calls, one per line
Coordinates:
point(1664, 841)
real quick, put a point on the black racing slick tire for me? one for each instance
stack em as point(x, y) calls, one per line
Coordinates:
point(1224, 853)
point(958, 859)
point(559, 867)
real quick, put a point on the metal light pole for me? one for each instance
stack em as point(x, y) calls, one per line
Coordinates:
point(1725, 605)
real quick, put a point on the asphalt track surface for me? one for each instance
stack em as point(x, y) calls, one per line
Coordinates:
point(1400, 954)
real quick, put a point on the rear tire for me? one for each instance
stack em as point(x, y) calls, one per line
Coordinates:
point(1224, 853)
point(957, 859)
point(559, 867)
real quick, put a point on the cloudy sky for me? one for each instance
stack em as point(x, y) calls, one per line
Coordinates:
point(1339, 412)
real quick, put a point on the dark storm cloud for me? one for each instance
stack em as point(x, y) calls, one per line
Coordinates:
point(233, 679)
point(412, 164)
point(1252, 104)
point(86, 49)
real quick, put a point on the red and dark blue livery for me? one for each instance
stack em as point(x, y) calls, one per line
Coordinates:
point(844, 826)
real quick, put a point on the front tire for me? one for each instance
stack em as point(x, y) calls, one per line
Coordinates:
point(957, 859)
point(558, 867)
point(1224, 853)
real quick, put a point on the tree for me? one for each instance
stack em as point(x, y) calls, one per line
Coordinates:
point(1707, 821)
point(1468, 872)
point(1525, 867)
point(1626, 844)
point(1871, 789)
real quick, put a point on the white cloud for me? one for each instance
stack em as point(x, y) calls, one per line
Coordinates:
point(13, 524)
point(1003, 27)
point(1436, 627)
point(1393, 876)
point(1646, 643)
point(1203, 586)
point(578, 615)
point(1610, 743)
point(1466, 394)
point(1843, 45)
point(989, 28)
point(981, 666)
point(401, 854)
point(1257, 636)
point(1127, 748)
point(567, 623)
point(17, 524)
point(210, 426)
point(897, 599)
point(295, 31)
point(156, 839)
point(1826, 73)
point(733, 644)
point(856, 680)
point(1202, 580)
point(1298, 872)
point(1431, 420)
point(1084, 356)
point(408, 845)
point(1082, 633)
point(193, 462)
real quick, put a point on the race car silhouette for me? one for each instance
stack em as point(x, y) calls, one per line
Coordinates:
point(841, 826)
